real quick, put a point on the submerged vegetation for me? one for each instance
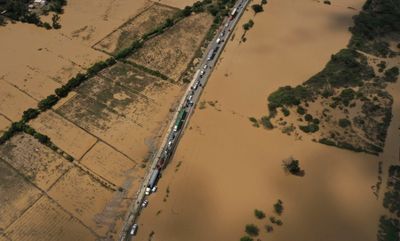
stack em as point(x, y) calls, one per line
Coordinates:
point(347, 81)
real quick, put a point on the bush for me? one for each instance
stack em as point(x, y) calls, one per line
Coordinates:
point(257, 8)
point(42, 138)
point(308, 117)
point(389, 229)
point(311, 128)
point(47, 103)
point(30, 114)
point(327, 2)
point(278, 206)
point(300, 110)
point(391, 74)
point(344, 123)
point(248, 25)
point(266, 122)
point(252, 230)
point(285, 111)
point(259, 214)
point(246, 238)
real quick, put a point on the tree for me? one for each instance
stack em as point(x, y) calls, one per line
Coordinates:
point(292, 166)
point(263, 2)
point(246, 238)
point(48, 102)
point(30, 114)
point(259, 214)
point(47, 26)
point(257, 8)
point(344, 123)
point(55, 19)
point(252, 230)
point(278, 207)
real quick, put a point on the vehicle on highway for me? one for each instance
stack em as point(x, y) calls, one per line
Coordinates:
point(134, 229)
point(202, 72)
point(222, 34)
point(180, 120)
point(209, 57)
point(144, 203)
point(205, 67)
point(218, 41)
point(154, 189)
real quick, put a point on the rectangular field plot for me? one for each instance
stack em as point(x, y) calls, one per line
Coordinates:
point(13, 102)
point(171, 52)
point(114, 96)
point(109, 164)
point(35, 161)
point(16, 195)
point(46, 221)
point(63, 133)
point(84, 197)
point(129, 122)
point(133, 29)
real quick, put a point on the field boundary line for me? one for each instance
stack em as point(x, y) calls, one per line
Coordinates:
point(121, 26)
point(6, 117)
point(88, 150)
point(96, 136)
point(21, 90)
point(42, 192)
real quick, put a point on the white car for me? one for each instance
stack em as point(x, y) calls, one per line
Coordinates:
point(202, 73)
point(154, 189)
point(205, 67)
point(144, 203)
point(134, 229)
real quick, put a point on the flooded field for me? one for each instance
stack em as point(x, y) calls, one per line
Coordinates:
point(224, 168)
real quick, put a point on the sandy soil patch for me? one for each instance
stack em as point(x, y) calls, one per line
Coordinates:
point(64, 134)
point(133, 29)
point(171, 52)
point(16, 195)
point(178, 3)
point(46, 221)
point(13, 102)
point(84, 197)
point(108, 163)
point(36, 162)
point(229, 168)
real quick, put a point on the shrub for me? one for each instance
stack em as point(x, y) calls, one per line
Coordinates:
point(278, 206)
point(300, 110)
point(327, 2)
point(308, 117)
point(263, 2)
point(344, 123)
point(248, 25)
point(41, 138)
point(293, 167)
point(259, 214)
point(266, 122)
point(246, 238)
point(55, 21)
point(257, 8)
point(391, 74)
point(252, 230)
point(285, 111)
point(30, 114)
point(47, 26)
point(311, 128)
point(252, 119)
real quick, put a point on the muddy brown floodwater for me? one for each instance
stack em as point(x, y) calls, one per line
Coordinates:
point(224, 168)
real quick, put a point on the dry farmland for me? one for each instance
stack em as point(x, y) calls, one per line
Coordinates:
point(171, 52)
point(110, 124)
point(132, 30)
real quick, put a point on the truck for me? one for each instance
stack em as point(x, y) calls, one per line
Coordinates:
point(234, 12)
point(180, 120)
point(153, 179)
point(210, 55)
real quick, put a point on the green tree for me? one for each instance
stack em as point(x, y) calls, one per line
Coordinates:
point(252, 230)
point(55, 21)
point(30, 114)
point(246, 238)
point(259, 214)
point(257, 8)
point(278, 206)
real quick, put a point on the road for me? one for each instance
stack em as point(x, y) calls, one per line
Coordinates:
point(185, 110)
